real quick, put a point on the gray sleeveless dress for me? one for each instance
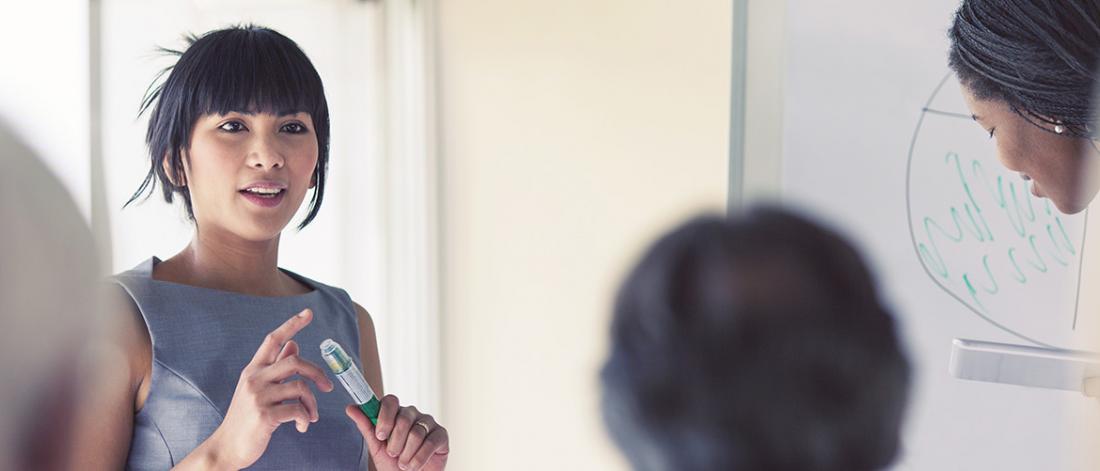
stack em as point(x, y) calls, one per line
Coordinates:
point(202, 338)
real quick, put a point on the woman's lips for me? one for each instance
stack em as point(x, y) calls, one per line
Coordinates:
point(264, 201)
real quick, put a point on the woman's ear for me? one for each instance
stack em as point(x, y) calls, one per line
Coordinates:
point(171, 173)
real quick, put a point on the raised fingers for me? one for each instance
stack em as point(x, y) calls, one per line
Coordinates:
point(296, 365)
point(401, 429)
point(295, 390)
point(361, 421)
point(387, 416)
point(374, 445)
point(269, 349)
point(292, 412)
point(291, 348)
point(437, 443)
point(419, 432)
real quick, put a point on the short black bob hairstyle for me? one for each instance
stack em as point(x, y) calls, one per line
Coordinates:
point(239, 68)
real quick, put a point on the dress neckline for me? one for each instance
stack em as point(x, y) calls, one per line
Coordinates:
point(147, 269)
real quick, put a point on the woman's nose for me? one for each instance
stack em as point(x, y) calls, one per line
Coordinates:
point(265, 155)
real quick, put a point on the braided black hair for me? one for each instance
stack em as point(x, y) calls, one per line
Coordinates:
point(1038, 56)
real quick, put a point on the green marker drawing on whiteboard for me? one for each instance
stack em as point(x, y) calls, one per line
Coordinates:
point(349, 375)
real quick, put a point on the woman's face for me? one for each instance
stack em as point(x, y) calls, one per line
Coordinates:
point(249, 172)
point(1055, 164)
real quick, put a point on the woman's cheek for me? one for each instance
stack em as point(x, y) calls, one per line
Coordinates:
point(1017, 156)
point(1005, 156)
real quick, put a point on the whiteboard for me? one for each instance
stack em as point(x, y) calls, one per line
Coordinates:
point(878, 142)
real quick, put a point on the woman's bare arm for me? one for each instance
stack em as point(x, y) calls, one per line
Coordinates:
point(368, 354)
point(405, 438)
point(368, 351)
point(109, 394)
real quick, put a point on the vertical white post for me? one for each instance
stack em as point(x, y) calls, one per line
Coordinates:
point(412, 214)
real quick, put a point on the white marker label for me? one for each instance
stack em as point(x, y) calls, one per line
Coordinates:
point(354, 383)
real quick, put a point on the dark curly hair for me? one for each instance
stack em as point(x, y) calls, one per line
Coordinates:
point(757, 343)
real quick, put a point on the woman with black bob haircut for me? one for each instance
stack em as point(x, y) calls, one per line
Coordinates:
point(1028, 71)
point(217, 346)
point(248, 68)
point(754, 343)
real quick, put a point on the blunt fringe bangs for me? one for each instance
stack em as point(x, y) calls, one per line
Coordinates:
point(244, 68)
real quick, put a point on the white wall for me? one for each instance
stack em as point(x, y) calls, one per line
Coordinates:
point(573, 132)
point(44, 92)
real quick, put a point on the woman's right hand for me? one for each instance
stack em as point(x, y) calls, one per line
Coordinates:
point(258, 407)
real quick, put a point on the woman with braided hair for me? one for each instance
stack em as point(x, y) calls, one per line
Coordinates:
point(1028, 71)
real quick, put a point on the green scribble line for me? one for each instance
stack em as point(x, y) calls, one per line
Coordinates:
point(1018, 222)
point(939, 267)
point(1021, 277)
point(1065, 237)
point(1042, 266)
point(974, 291)
point(1018, 212)
point(977, 231)
point(974, 294)
point(996, 287)
point(1031, 208)
point(979, 173)
point(1054, 254)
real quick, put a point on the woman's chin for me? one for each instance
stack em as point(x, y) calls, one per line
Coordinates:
point(1070, 206)
point(1076, 202)
point(259, 231)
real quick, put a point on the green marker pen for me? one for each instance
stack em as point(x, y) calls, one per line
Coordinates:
point(349, 375)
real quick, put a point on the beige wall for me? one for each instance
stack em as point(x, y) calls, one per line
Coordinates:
point(572, 132)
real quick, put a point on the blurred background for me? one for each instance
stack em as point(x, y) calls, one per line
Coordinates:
point(495, 167)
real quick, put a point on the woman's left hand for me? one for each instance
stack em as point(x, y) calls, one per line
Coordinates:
point(405, 439)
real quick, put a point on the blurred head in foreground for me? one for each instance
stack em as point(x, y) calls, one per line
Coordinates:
point(48, 306)
point(754, 343)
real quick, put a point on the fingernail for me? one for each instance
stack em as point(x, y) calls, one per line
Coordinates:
point(381, 436)
point(403, 466)
point(392, 454)
point(303, 313)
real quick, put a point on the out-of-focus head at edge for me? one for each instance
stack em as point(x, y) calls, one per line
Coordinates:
point(50, 307)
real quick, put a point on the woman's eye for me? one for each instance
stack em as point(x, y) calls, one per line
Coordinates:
point(294, 128)
point(232, 126)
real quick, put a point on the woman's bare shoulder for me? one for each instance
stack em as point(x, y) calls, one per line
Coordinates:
point(368, 349)
point(129, 334)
